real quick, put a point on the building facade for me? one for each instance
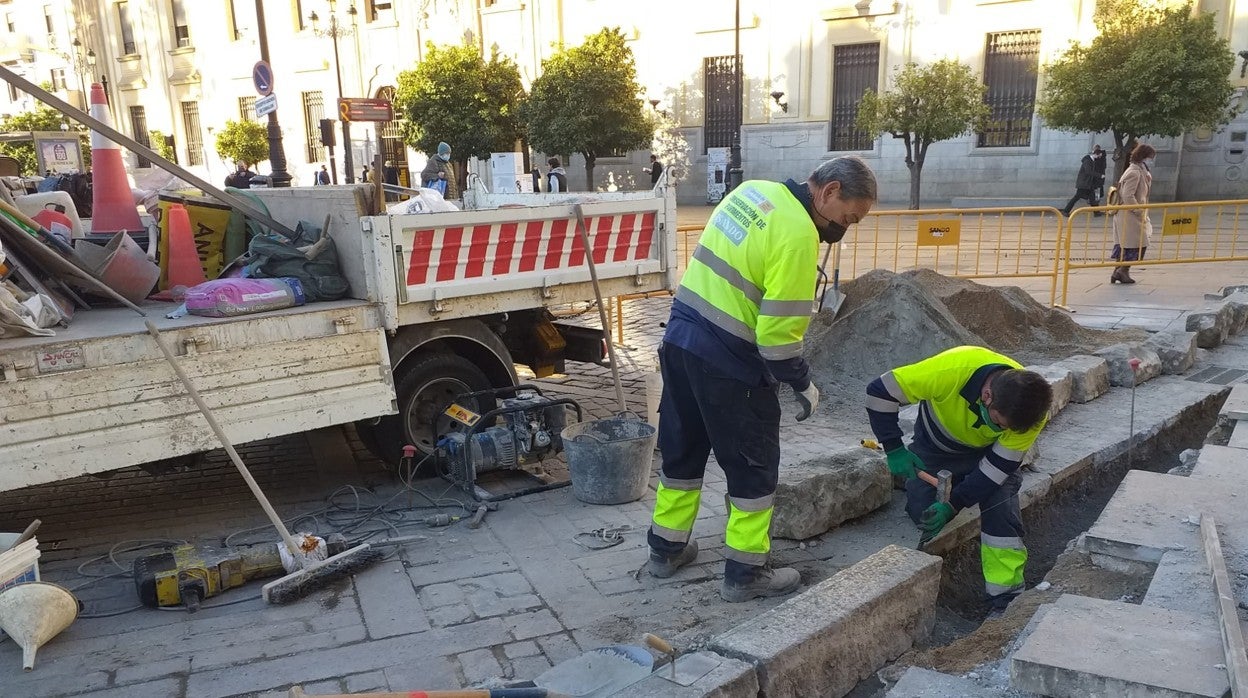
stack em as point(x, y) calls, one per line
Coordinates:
point(180, 69)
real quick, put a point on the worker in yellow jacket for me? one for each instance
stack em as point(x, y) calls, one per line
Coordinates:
point(735, 333)
point(979, 413)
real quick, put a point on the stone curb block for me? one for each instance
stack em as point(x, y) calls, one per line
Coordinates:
point(1062, 380)
point(1090, 376)
point(1228, 290)
point(820, 494)
point(1175, 348)
point(1211, 324)
point(1238, 303)
point(733, 678)
point(828, 638)
point(1119, 356)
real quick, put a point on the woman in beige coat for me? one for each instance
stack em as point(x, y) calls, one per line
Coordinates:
point(1132, 228)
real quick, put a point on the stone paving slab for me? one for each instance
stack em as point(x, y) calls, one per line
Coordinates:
point(1091, 647)
point(918, 682)
point(1182, 583)
point(1236, 406)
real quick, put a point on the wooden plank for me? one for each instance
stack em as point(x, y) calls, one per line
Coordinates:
point(1232, 635)
point(58, 458)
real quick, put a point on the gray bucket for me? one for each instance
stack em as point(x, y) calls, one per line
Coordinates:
point(610, 459)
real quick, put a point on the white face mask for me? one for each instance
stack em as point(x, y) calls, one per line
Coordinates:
point(1148, 163)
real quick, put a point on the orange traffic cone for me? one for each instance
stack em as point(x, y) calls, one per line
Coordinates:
point(182, 266)
point(112, 204)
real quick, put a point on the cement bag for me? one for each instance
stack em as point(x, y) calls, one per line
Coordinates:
point(425, 201)
point(233, 297)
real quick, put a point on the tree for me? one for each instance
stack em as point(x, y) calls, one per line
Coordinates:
point(40, 119)
point(242, 141)
point(671, 147)
point(928, 104)
point(455, 95)
point(163, 146)
point(587, 101)
point(1153, 70)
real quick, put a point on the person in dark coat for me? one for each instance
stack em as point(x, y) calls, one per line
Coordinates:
point(1089, 180)
point(240, 178)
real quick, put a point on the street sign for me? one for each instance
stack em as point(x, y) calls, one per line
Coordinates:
point(266, 105)
point(262, 78)
point(357, 109)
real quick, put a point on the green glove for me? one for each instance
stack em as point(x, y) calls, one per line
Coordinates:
point(902, 462)
point(934, 518)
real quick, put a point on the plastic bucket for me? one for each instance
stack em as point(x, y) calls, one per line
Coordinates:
point(609, 459)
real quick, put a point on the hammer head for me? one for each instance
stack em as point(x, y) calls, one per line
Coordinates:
point(944, 485)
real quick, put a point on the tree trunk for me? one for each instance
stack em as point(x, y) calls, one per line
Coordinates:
point(916, 178)
point(589, 171)
point(1123, 145)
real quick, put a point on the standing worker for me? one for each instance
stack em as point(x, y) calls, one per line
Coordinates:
point(979, 413)
point(655, 170)
point(734, 334)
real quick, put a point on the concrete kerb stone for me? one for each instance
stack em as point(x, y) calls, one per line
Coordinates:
point(1228, 290)
point(1062, 380)
point(733, 678)
point(1238, 303)
point(1089, 375)
point(828, 638)
point(918, 682)
point(1119, 356)
point(1212, 324)
point(819, 494)
point(1176, 349)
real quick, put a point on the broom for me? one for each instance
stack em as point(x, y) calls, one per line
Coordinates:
point(314, 574)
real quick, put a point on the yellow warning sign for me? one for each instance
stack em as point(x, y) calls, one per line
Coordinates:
point(939, 231)
point(462, 415)
point(1181, 224)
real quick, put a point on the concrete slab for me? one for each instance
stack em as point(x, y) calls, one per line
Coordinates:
point(733, 678)
point(1119, 357)
point(1090, 647)
point(829, 637)
point(1152, 513)
point(925, 683)
point(1236, 405)
point(1220, 463)
point(1239, 436)
point(1182, 583)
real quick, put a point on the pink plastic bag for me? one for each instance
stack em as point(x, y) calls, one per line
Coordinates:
point(230, 297)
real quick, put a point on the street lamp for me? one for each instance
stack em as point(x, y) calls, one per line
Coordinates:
point(735, 173)
point(278, 176)
point(82, 65)
point(337, 31)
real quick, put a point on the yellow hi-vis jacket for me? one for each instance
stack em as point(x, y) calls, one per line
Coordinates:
point(754, 271)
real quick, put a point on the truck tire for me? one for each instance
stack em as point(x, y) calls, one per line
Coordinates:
point(426, 386)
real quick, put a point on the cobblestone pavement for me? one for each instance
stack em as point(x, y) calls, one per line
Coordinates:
point(526, 590)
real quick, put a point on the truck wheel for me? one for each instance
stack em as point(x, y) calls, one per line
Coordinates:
point(426, 386)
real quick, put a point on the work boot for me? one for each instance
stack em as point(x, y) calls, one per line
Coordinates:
point(664, 566)
point(767, 581)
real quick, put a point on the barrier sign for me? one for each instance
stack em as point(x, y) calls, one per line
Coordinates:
point(1180, 224)
point(936, 232)
point(356, 109)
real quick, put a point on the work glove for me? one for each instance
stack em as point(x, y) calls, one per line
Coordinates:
point(808, 400)
point(934, 518)
point(902, 462)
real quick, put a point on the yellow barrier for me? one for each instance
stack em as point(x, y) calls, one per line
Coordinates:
point(1182, 233)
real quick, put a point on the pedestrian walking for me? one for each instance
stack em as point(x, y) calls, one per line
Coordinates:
point(735, 333)
point(1132, 228)
point(365, 176)
point(1089, 181)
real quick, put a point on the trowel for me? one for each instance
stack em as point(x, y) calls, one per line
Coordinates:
point(684, 669)
point(598, 672)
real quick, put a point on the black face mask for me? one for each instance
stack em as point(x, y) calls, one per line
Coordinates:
point(832, 232)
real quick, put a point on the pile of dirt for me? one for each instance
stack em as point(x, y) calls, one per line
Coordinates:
point(890, 320)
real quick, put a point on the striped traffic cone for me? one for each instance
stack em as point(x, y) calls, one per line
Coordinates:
point(112, 204)
point(183, 267)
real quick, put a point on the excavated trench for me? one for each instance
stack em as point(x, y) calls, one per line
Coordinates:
point(961, 640)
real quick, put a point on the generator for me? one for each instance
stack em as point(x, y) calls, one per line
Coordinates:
point(523, 429)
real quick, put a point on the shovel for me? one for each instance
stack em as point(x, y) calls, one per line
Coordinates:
point(833, 298)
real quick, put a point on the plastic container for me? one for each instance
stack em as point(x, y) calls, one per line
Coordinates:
point(610, 459)
point(32, 204)
point(122, 265)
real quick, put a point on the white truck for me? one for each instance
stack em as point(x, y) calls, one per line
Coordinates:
point(441, 304)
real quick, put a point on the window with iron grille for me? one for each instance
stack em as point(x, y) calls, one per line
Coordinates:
point(10, 23)
point(1010, 67)
point(138, 126)
point(181, 27)
point(194, 136)
point(48, 21)
point(313, 112)
point(855, 69)
point(247, 108)
point(128, 47)
point(723, 109)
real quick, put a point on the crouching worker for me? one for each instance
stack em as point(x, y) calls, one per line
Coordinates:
point(979, 412)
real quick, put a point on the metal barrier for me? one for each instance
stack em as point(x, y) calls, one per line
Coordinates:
point(1182, 233)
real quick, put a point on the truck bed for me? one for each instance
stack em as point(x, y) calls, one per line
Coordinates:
point(103, 381)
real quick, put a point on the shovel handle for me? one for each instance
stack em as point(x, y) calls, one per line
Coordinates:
point(27, 534)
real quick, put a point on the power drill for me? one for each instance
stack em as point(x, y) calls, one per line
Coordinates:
point(185, 575)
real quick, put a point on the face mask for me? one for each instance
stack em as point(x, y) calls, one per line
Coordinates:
point(1149, 163)
point(444, 158)
point(983, 415)
point(832, 232)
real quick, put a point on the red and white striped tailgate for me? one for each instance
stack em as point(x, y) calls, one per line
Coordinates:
point(439, 255)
